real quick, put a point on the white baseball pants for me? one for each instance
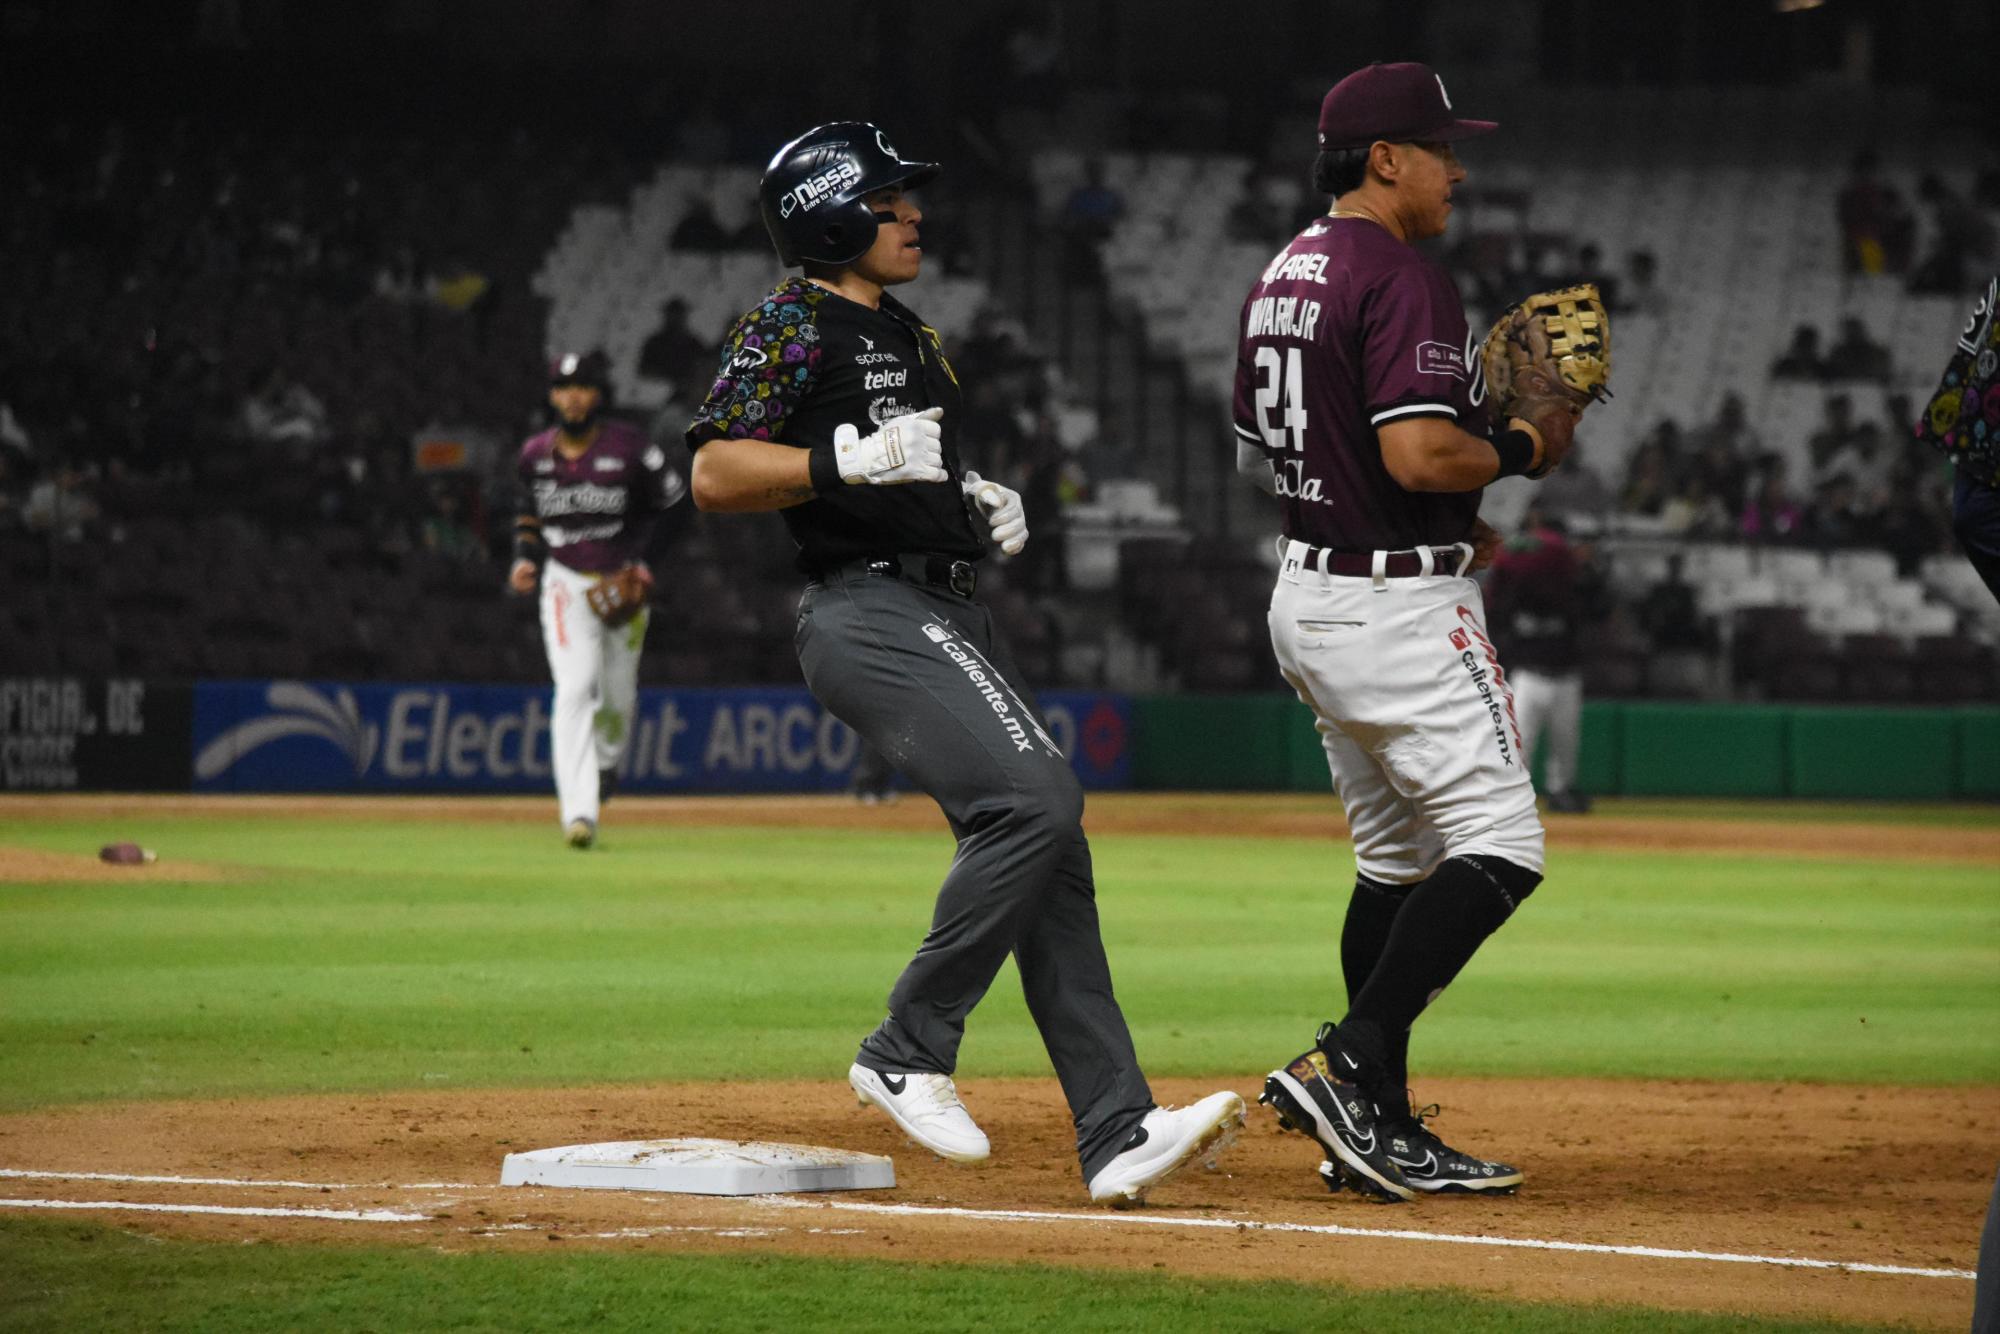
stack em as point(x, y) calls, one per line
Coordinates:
point(1415, 715)
point(596, 674)
point(1551, 702)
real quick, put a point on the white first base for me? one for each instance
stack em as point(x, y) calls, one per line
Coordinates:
point(699, 1167)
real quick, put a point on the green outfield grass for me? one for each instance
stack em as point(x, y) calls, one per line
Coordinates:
point(350, 954)
point(71, 1277)
point(361, 953)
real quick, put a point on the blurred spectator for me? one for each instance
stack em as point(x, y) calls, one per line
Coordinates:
point(1695, 511)
point(700, 230)
point(673, 353)
point(1574, 495)
point(1723, 450)
point(281, 411)
point(1876, 230)
point(1642, 294)
point(1913, 522)
point(1649, 472)
point(1864, 461)
point(457, 285)
point(1670, 612)
point(13, 488)
point(61, 505)
point(1801, 361)
point(1680, 640)
point(1770, 514)
point(1590, 268)
point(13, 435)
point(1730, 429)
point(445, 531)
point(1539, 597)
point(1855, 356)
point(1089, 215)
point(1831, 521)
point(1252, 219)
point(1834, 435)
point(1960, 235)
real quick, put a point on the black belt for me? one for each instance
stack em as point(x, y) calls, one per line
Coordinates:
point(1361, 564)
point(918, 567)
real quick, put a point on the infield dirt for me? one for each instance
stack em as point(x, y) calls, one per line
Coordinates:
point(1874, 1175)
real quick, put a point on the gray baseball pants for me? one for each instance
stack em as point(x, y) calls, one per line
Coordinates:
point(919, 673)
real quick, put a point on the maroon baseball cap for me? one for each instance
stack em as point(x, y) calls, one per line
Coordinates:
point(1400, 103)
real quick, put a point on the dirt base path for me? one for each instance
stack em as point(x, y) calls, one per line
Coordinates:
point(1869, 1176)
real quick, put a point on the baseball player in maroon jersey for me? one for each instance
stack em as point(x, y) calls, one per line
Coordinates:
point(1360, 405)
point(591, 490)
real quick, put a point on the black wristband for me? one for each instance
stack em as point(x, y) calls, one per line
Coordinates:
point(824, 470)
point(528, 546)
point(1516, 449)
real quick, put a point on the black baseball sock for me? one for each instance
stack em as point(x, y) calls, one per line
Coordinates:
point(1371, 912)
point(1442, 923)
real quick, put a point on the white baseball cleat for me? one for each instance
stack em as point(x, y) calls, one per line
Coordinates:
point(926, 1107)
point(581, 833)
point(1166, 1141)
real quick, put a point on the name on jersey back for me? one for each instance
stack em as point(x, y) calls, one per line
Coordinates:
point(1282, 317)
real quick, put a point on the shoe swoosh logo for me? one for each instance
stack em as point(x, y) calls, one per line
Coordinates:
point(1139, 1137)
point(1352, 1129)
point(1429, 1163)
point(895, 1083)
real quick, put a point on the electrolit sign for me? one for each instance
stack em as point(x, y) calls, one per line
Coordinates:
point(299, 736)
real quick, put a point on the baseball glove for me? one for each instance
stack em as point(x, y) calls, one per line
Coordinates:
point(1549, 353)
point(618, 596)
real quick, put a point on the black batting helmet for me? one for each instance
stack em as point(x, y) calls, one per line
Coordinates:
point(812, 194)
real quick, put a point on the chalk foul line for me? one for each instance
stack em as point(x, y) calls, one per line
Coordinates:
point(236, 1211)
point(1337, 1230)
point(1101, 1218)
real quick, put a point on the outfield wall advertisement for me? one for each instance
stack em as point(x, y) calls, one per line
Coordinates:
point(65, 733)
point(299, 736)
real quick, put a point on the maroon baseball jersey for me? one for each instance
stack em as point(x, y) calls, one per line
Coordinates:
point(597, 509)
point(1349, 329)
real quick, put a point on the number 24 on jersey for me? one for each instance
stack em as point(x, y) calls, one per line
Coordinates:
point(1281, 388)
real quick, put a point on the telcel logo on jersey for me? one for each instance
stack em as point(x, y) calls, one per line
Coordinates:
point(885, 379)
point(810, 193)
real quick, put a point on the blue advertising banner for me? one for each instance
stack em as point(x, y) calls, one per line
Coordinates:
point(317, 736)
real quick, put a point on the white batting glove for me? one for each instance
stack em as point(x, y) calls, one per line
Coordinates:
point(1002, 508)
point(909, 448)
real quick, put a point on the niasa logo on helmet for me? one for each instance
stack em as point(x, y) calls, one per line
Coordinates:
point(814, 190)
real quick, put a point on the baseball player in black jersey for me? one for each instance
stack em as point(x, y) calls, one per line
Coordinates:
point(837, 406)
point(1361, 405)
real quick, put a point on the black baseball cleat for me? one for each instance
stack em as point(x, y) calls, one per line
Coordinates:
point(1434, 1167)
point(1319, 1094)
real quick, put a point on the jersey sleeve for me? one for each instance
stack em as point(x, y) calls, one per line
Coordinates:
point(1414, 346)
point(765, 370)
point(527, 516)
point(662, 484)
point(1962, 420)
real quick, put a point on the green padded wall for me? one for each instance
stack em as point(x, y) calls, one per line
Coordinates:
point(1873, 753)
point(1631, 747)
point(1979, 753)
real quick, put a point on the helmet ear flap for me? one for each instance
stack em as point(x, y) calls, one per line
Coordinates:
point(851, 231)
